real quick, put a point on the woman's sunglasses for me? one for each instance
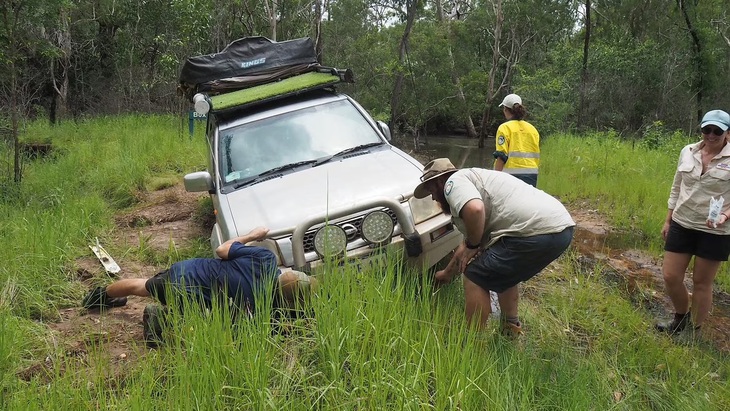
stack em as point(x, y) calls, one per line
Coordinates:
point(712, 130)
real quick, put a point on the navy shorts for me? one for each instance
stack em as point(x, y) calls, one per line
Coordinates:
point(682, 240)
point(512, 260)
point(530, 179)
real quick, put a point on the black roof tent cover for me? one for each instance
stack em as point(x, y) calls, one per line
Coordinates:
point(247, 55)
point(247, 62)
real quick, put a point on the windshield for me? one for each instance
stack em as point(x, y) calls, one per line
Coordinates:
point(299, 136)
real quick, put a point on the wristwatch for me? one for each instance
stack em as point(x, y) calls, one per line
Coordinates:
point(471, 247)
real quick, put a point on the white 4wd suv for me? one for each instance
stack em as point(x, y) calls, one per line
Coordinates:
point(319, 172)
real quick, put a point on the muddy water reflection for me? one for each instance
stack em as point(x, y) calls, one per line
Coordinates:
point(634, 272)
point(463, 152)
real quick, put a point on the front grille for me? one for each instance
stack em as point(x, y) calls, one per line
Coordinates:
point(354, 221)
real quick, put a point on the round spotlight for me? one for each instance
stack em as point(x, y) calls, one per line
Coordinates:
point(377, 227)
point(330, 241)
point(202, 106)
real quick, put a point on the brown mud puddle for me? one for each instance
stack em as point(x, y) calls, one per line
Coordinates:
point(639, 275)
point(165, 219)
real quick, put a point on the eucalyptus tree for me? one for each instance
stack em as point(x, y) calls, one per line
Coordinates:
point(698, 33)
point(356, 38)
point(408, 9)
point(652, 61)
point(22, 65)
point(446, 20)
point(514, 38)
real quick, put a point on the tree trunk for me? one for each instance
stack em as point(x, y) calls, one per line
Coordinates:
point(499, 18)
point(699, 80)
point(14, 90)
point(60, 69)
point(271, 11)
point(318, 41)
point(582, 110)
point(11, 15)
point(468, 123)
point(395, 99)
point(471, 131)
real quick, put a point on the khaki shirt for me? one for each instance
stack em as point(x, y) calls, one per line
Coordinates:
point(512, 207)
point(692, 190)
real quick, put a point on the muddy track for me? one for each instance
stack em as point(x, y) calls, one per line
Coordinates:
point(165, 219)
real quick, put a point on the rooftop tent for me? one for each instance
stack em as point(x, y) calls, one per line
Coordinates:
point(245, 63)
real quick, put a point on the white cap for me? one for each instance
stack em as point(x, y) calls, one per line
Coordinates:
point(510, 100)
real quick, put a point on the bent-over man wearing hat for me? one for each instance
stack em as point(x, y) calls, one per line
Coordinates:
point(240, 275)
point(511, 230)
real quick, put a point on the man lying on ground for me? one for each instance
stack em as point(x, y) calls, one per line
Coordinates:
point(242, 274)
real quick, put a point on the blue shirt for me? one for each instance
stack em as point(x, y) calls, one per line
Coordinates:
point(247, 272)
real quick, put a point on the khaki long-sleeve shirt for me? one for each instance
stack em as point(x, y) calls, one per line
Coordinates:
point(691, 190)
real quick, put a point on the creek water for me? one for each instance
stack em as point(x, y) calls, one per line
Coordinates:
point(463, 152)
point(634, 272)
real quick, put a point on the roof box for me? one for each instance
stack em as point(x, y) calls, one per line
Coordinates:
point(247, 62)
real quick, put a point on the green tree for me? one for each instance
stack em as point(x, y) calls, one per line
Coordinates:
point(22, 64)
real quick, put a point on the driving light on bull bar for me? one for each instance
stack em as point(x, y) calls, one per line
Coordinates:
point(377, 227)
point(330, 241)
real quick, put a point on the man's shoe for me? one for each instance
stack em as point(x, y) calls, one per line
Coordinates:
point(512, 330)
point(152, 319)
point(679, 323)
point(98, 298)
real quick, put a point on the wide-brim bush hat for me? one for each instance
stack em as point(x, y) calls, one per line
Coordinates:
point(434, 169)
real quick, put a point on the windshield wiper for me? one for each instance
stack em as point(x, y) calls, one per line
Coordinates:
point(255, 179)
point(346, 151)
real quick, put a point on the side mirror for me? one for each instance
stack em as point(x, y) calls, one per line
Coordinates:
point(384, 129)
point(198, 181)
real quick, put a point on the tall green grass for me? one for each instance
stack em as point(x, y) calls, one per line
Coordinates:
point(624, 180)
point(374, 340)
point(66, 200)
point(619, 178)
point(382, 341)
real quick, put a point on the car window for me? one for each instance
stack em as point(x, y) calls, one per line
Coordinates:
point(307, 134)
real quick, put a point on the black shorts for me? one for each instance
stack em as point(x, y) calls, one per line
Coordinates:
point(682, 240)
point(158, 285)
point(512, 260)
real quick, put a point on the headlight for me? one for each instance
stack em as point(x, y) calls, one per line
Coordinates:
point(377, 227)
point(423, 208)
point(330, 241)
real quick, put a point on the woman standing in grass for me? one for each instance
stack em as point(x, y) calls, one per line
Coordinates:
point(518, 143)
point(703, 173)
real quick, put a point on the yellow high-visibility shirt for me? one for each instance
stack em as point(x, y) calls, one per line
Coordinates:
point(519, 142)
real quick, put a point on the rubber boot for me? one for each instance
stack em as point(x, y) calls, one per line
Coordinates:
point(152, 319)
point(679, 323)
point(98, 298)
